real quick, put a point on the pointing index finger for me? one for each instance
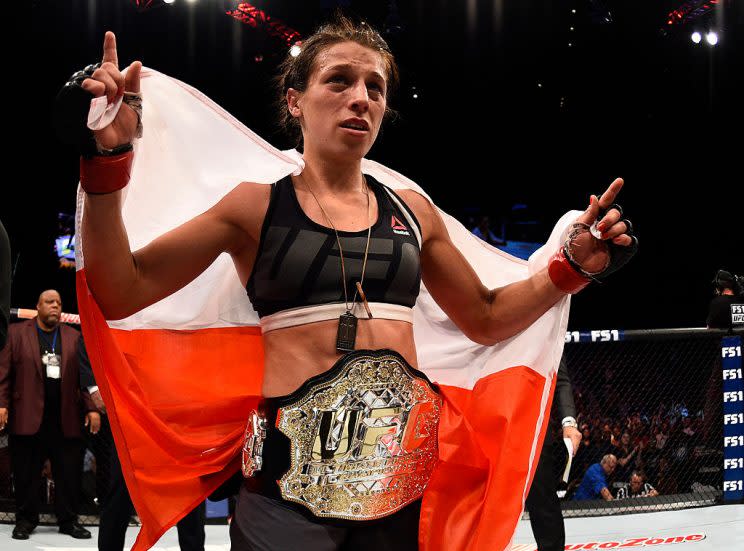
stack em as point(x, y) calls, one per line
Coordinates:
point(608, 197)
point(109, 49)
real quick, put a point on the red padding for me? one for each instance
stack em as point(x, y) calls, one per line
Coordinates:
point(564, 276)
point(105, 174)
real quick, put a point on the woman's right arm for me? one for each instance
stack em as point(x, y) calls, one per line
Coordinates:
point(124, 282)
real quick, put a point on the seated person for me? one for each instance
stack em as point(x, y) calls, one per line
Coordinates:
point(594, 483)
point(638, 487)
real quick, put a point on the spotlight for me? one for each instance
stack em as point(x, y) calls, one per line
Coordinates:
point(295, 50)
point(712, 38)
point(168, 1)
point(696, 37)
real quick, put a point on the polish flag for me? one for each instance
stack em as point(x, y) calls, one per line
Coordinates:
point(180, 377)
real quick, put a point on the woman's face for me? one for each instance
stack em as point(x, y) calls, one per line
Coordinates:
point(343, 106)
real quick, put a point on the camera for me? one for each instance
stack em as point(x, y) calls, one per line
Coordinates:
point(727, 280)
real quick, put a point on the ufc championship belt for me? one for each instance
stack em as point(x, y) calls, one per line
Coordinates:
point(362, 438)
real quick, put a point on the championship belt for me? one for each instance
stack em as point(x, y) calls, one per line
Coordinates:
point(362, 437)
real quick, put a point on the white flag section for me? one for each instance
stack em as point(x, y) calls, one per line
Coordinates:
point(495, 398)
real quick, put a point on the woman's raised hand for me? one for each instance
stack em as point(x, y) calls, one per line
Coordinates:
point(594, 254)
point(108, 81)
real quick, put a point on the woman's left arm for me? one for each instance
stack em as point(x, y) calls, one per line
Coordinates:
point(488, 316)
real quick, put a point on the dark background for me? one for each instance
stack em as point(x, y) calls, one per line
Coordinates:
point(507, 112)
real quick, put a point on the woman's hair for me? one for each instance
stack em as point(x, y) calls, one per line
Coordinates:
point(295, 72)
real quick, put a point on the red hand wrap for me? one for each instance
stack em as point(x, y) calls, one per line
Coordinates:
point(564, 276)
point(105, 174)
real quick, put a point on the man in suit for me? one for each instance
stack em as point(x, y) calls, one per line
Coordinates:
point(542, 502)
point(41, 403)
point(111, 488)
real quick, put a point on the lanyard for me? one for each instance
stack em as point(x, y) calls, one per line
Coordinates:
point(46, 341)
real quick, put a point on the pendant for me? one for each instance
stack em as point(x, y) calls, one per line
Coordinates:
point(346, 335)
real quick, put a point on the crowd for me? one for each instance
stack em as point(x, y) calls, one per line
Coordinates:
point(661, 451)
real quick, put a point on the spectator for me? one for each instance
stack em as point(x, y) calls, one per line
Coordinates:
point(687, 427)
point(594, 483)
point(483, 230)
point(662, 435)
point(638, 487)
point(41, 404)
point(605, 443)
point(626, 457)
point(617, 432)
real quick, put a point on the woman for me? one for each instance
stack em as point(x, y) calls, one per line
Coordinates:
point(324, 337)
point(627, 457)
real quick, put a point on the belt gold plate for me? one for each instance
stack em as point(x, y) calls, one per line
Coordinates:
point(364, 443)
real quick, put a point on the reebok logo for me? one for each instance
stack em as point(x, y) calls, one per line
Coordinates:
point(398, 226)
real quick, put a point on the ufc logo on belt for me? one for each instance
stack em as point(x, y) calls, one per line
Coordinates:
point(366, 433)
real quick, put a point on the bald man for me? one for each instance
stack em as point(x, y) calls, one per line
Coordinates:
point(42, 406)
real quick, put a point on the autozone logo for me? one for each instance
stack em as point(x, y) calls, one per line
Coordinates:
point(631, 542)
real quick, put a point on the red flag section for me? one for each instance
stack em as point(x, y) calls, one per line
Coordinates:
point(474, 499)
point(178, 403)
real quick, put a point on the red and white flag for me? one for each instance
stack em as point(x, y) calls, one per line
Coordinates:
point(180, 377)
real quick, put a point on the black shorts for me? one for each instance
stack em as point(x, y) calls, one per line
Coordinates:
point(263, 523)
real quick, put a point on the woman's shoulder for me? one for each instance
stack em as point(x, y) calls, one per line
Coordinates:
point(419, 204)
point(246, 205)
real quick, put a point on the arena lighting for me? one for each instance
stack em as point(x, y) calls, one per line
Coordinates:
point(712, 38)
point(696, 37)
point(690, 11)
point(145, 5)
point(259, 19)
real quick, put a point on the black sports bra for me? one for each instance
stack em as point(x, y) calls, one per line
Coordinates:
point(298, 262)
